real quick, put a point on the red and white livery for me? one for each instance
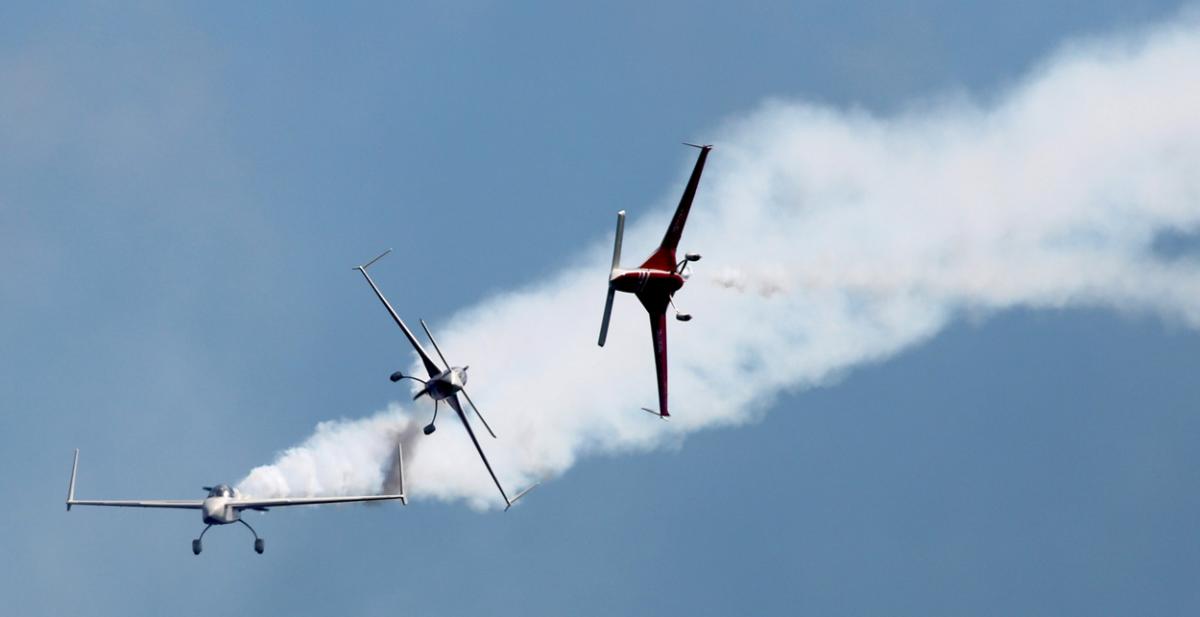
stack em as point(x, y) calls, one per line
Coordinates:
point(657, 279)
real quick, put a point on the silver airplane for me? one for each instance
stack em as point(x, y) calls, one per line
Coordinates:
point(224, 504)
point(442, 385)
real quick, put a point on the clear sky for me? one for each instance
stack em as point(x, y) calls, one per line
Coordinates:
point(183, 192)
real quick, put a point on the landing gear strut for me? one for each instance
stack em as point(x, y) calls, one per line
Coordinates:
point(430, 428)
point(259, 545)
point(196, 544)
point(678, 315)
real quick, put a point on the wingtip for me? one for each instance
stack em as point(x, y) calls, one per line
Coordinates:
point(511, 502)
point(71, 486)
point(363, 268)
point(701, 146)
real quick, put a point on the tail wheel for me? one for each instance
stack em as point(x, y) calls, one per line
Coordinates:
point(259, 546)
point(196, 547)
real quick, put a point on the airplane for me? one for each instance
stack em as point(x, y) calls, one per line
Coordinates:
point(224, 504)
point(656, 280)
point(442, 385)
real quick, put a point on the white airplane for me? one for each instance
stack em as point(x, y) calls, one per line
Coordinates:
point(224, 504)
point(442, 385)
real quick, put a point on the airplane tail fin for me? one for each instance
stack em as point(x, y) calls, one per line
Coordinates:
point(71, 486)
point(612, 272)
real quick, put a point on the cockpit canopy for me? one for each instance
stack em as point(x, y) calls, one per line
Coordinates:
point(220, 490)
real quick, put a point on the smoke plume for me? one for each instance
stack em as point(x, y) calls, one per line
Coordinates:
point(831, 238)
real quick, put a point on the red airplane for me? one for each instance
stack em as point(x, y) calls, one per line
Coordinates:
point(656, 280)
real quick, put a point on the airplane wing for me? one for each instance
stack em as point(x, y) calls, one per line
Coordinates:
point(246, 504)
point(187, 504)
point(431, 367)
point(657, 309)
point(453, 400)
point(664, 257)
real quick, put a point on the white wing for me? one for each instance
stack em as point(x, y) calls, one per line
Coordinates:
point(241, 504)
point(244, 504)
point(279, 502)
point(187, 504)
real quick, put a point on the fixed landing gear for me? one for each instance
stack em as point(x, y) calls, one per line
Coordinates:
point(430, 428)
point(680, 315)
point(259, 545)
point(397, 376)
point(196, 544)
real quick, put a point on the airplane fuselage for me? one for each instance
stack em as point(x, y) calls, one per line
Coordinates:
point(446, 384)
point(216, 511)
point(647, 281)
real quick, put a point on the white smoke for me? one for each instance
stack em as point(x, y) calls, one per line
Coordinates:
point(830, 238)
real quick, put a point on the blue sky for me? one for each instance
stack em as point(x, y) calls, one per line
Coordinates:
point(183, 192)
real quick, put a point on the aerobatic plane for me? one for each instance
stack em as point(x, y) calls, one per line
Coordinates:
point(442, 385)
point(224, 504)
point(656, 280)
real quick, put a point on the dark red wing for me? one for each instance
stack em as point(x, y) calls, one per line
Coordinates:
point(664, 257)
point(658, 334)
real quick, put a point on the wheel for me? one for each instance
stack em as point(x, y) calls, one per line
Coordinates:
point(196, 547)
point(259, 547)
point(429, 429)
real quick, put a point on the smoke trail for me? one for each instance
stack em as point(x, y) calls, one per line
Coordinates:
point(831, 238)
